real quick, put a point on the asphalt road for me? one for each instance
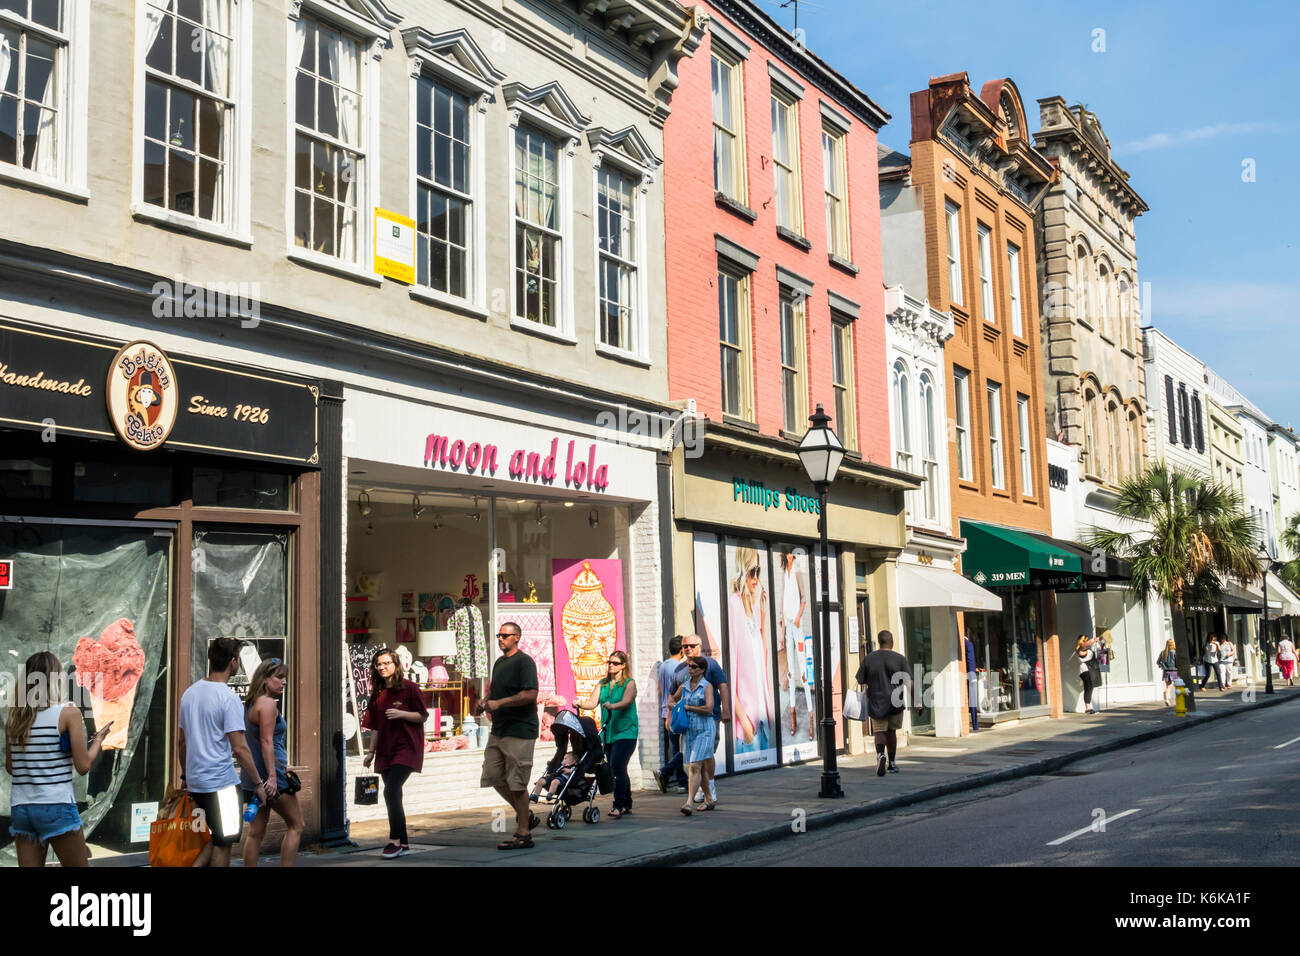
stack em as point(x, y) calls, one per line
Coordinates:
point(1223, 794)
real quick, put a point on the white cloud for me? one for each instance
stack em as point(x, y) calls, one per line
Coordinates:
point(1201, 133)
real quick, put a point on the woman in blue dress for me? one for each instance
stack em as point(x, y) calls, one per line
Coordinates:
point(266, 732)
point(700, 734)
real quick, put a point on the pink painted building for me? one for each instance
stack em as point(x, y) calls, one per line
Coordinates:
point(775, 305)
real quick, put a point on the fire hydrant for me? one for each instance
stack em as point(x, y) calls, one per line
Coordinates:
point(1180, 697)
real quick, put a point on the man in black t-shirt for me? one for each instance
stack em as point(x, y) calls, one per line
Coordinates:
point(885, 673)
point(512, 705)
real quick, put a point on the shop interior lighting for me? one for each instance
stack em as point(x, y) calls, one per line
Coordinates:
point(541, 518)
point(568, 504)
point(363, 503)
point(417, 509)
point(475, 514)
point(593, 518)
point(437, 521)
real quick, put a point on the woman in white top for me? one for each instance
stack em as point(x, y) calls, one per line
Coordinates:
point(793, 639)
point(43, 808)
point(1210, 658)
point(1286, 658)
point(1227, 662)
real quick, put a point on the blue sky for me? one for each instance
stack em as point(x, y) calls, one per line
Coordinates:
point(1186, 92)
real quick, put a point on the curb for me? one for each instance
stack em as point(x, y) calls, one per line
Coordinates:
point(675, 856)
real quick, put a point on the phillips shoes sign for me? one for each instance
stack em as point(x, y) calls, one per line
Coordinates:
point(581, 469)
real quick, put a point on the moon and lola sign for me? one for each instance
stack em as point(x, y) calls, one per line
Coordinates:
point(59, 383)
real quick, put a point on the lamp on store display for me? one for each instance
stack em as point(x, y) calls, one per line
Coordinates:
point(437, 645)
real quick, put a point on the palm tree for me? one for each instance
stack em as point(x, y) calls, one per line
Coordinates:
point(1195, 537)
point(1290, 573)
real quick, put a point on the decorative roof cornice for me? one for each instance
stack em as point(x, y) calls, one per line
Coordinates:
point(1088, 149)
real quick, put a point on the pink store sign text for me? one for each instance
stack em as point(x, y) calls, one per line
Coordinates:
point(581, 469)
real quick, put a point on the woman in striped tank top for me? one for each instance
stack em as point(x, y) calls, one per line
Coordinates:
point(43, 808)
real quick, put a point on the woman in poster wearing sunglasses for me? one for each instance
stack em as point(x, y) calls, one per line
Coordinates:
point(265, 730)
point(747, 629)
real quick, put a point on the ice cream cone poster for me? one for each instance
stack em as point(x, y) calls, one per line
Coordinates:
point(109, 669)
point(589, 622)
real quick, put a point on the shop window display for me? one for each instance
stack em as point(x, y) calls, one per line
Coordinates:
point(98, 599)
point(751, 641)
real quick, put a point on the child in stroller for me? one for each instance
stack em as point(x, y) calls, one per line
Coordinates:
point(592, 773)
point(552, 782)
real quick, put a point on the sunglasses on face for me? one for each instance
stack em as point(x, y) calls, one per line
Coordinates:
point(754, 572)
point(502, 635)
point(687, 647)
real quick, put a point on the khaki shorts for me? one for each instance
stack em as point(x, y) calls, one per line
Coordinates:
point(892, 722)
point(507, 762)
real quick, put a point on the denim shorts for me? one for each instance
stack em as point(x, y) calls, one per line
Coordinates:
point(43, 822)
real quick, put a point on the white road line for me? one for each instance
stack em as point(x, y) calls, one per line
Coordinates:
point(1089, 829)
point(1287, 744)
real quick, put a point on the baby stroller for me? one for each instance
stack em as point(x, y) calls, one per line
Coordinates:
point(591, 775)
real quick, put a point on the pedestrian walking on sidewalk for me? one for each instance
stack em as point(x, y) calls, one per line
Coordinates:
point(616, 697)
point(717, 679)
point(1210, 660)
point(1286, 658)
point(43, 806)
point(512, 705)
point(1227, 662)
point(396, 718)
point(702, 730)
point(884, 672)
point(1167, 661)
point(673, 771)
point(1085, 651)
point(266, 732)
point(972, 682)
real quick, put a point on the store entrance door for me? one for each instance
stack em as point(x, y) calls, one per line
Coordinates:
point(919, 650)
point(98, 596)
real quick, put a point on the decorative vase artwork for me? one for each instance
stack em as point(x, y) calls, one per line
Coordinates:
point(588, 615)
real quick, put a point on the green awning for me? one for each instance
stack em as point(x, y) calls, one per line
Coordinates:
point(1003, 557)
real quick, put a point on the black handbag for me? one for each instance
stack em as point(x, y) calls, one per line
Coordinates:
point(367, 791)
point(293, 783)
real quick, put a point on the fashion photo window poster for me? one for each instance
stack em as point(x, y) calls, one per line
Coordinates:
point(795, 653)
point(750, 640)
point(708, 619)
point(589, 623)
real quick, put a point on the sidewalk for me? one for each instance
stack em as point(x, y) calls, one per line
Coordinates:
point(759, 807)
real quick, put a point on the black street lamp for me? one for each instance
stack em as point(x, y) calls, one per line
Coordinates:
point(821, 452)
point(1269, 565)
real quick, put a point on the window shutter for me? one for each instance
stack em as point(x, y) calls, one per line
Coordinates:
point(1183, 416)
point(1196, 422)
point(1171, 410)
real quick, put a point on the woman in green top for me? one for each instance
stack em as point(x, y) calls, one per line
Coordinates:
point(616, 698)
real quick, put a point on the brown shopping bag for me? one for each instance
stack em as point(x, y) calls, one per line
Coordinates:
point(177, 837)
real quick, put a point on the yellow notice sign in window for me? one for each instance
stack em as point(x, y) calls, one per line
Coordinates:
point(395, 246)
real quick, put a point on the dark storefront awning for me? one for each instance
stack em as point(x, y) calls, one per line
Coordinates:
point(1004, 557)
point(1096, 568)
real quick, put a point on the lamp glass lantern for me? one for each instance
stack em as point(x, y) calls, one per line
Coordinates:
point(821, 450)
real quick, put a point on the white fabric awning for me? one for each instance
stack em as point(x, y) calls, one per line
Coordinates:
point(938, 587)
point(1278, 590)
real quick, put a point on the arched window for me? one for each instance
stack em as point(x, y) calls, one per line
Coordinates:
point(1103, 300)
point(929, 447)
point(1092, 466)
point(1113, 431)
point(1125, 314)
point(1135, 464)
point(902, 419)
point(1083, 282)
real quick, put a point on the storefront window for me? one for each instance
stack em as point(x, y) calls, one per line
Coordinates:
point(98, 598)
point(27, 478)
point(750, 643)
point(920, 654)
point(1029, 651)
point(122, 483)
point(796, 652)
point(993, 662)
point(225, 488)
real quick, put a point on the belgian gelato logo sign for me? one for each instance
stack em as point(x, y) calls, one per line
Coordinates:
point(142, 395)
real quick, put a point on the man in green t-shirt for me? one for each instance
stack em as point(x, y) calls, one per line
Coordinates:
point(512, 705)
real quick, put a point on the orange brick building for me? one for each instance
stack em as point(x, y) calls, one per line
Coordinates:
point(979, 180)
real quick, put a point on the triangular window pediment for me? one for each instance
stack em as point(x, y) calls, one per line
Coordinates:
point(625, 144)
point(453, 52)
point(547, 105)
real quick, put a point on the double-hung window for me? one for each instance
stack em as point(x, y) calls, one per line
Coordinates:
point(538, 235)
point(189, 108)
point(728, 126)
point(329, 161)
point(1013, 283)
point(961, 425)
point(986, 273)
point(34, 46)
point(842, 381)
point(444, 202)
point(837, 199)
point(733, 336)
point(1026, 459)
point(792, 359)
point(952, 218)
point(617, 236)
point(902, 418)
point(785, 162)
point(929, 448)
point(995, 435)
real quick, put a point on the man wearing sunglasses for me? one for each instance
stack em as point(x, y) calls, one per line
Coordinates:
point(512, 705)
point(715, 675)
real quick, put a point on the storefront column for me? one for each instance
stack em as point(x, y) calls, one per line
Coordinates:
point(1052, 648)
point(333, 480)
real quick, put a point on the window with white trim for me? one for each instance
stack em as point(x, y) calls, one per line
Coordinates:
point(1103, 300)
point(842, 381)
point(329, 162)
point(538, 228)
point(952, 213)
point(1026, 459)
point(728, 126)
point(995, 435)
point(929, 447)
point(961, 423)
point(902, 418)
point(834, 170)
point(1083, 282)
point(189, 109)
point(444, 200)
point(733, 336)
point(1013, 278)
point(616, 215)
point(34, 44)
point(793, 401)
point(785, 162)
point(986, 272)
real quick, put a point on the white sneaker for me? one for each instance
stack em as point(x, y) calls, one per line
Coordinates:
point(699, 795)
point(713, 792)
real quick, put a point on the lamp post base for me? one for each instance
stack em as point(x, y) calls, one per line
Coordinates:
point(831, 786)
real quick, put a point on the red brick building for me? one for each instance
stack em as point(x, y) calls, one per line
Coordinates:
point(775, 306)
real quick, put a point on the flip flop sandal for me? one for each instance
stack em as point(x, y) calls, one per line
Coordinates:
point(517, 843)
